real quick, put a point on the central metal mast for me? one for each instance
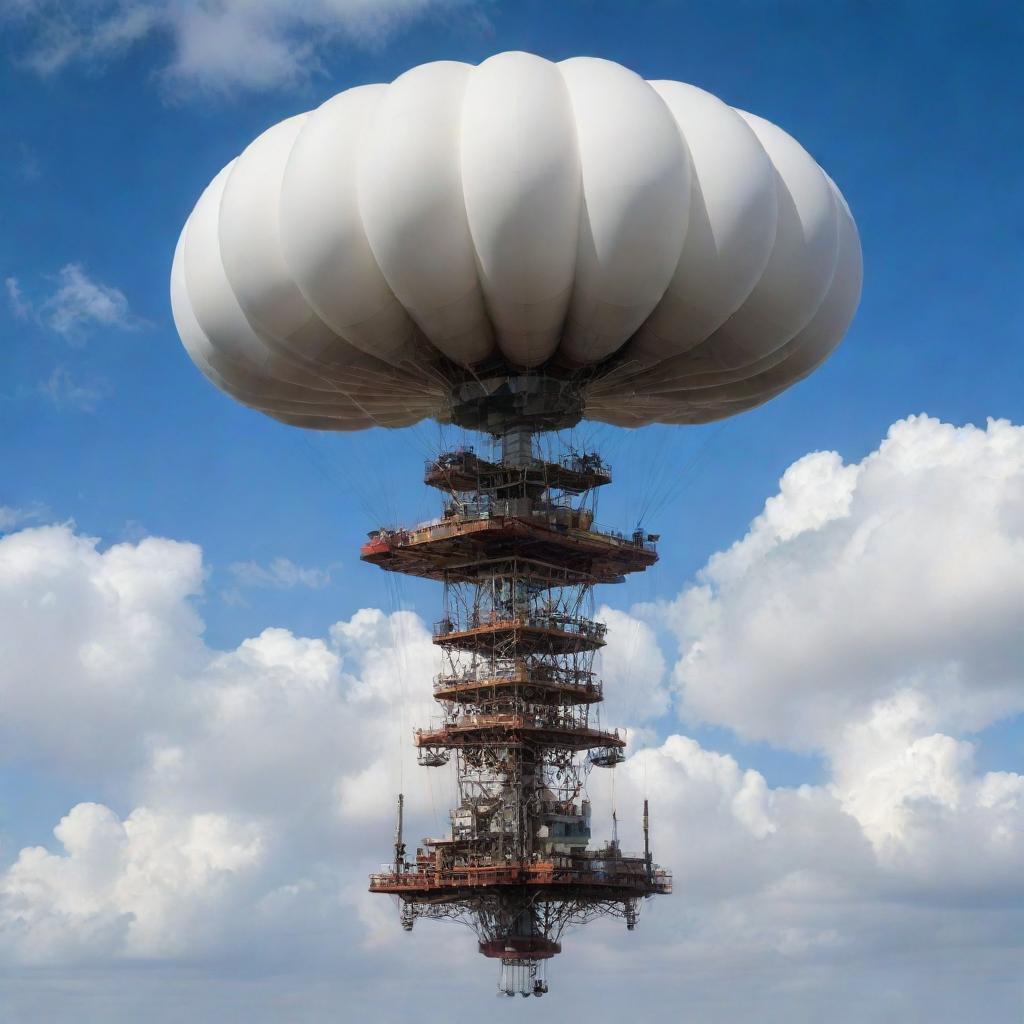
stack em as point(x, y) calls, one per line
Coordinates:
point(518, 555)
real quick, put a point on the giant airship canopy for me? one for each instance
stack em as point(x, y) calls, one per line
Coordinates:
point(520, 239)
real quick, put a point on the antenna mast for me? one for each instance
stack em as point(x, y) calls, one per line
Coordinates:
point(399, 845)
point(647, 839)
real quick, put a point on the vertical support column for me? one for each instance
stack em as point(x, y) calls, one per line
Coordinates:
point(517, 446)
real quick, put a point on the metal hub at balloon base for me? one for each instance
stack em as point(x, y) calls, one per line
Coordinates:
point(531, 403)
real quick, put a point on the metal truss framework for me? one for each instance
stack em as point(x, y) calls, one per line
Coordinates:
point(518, 554)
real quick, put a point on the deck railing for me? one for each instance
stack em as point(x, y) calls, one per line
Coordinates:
point(583, 464)
point(613, 873)
point(587, 628)
point(450, 526)
point(578, 682)
point(552, 718)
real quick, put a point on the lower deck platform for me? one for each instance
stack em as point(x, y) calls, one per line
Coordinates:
point(609, 879)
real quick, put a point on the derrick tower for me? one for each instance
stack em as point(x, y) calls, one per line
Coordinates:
point(518, 554)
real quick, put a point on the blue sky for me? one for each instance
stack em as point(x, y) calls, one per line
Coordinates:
point(915, 114)
point(913, 108)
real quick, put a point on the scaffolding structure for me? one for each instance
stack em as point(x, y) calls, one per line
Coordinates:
point(518, 554)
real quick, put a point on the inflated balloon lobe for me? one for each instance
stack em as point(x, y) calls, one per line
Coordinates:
point(517, 241)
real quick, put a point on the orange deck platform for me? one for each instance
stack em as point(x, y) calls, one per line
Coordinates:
point(586, 690)
point(465, 548)
point(514, 730)
point(464, 471)
point(622, 878)
point(529, 636)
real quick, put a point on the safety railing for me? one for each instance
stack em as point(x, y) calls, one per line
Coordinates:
point(550, 719)
point(450, 526)
point(581, 682)
point(581, 463)
point(612, 873)
point(585, 628)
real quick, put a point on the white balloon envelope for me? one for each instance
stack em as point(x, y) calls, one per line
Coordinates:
point(518, 239)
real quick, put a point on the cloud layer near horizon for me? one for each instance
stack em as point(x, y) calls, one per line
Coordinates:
point(871, 614)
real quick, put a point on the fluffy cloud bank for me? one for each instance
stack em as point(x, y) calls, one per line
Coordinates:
point(245, 774)
point(902, 574)
point(248, 791)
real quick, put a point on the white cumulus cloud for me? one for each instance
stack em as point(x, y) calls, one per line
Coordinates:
point(153, 885)
point(76, 306)
point(79, 303)
point(228, 44)
point(900, 574)
point(633, 670)
point(12, 516)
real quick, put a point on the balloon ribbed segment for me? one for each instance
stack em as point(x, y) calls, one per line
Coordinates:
point(522, 189)
point(672, 258)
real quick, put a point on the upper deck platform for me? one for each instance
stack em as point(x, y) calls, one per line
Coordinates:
point(566, 687)
point(465, 547)
point(463, 471)
point(529, 635)
point(518, 730)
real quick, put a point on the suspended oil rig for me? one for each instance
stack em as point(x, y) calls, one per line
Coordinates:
point(518, 554)
point(370, 264)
